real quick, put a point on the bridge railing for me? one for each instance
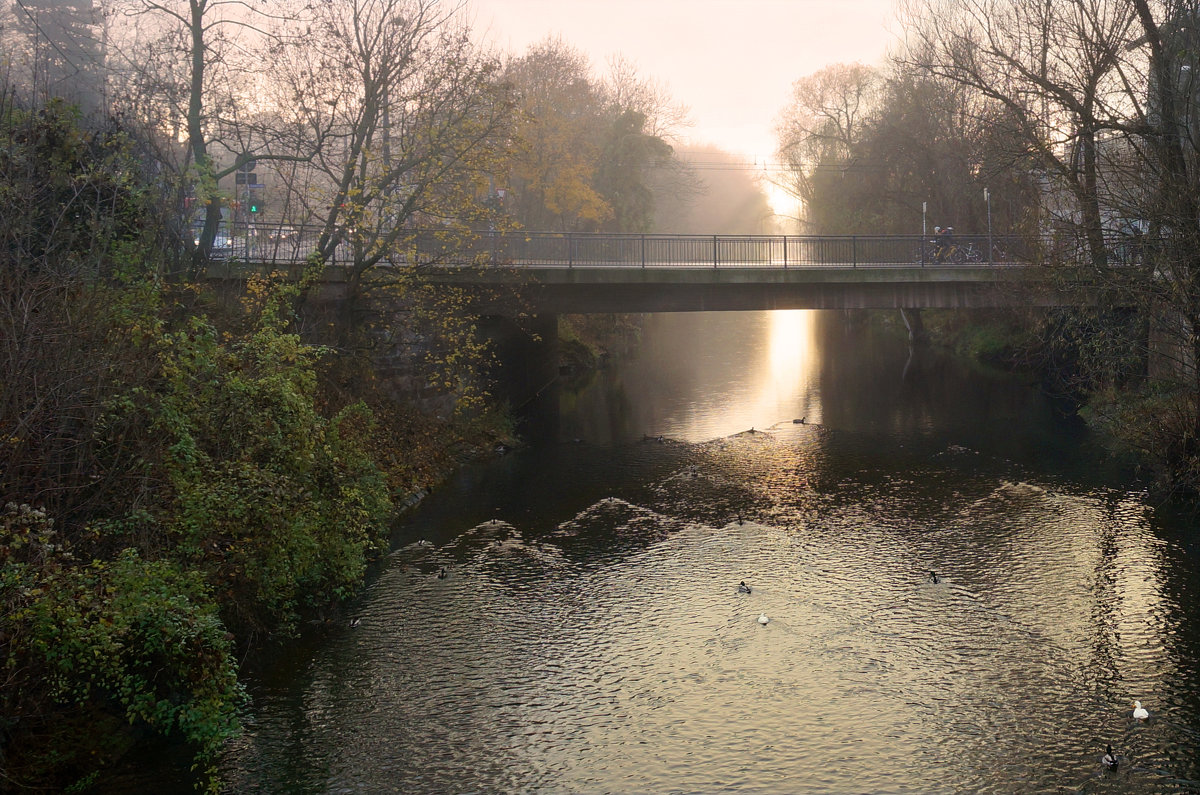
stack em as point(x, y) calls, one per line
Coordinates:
point(284, 244)
point(716, 251)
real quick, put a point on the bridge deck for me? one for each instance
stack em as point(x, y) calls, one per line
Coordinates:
point(552, 273)
point(284, 245)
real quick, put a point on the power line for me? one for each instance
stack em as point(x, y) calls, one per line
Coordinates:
point(41, 31)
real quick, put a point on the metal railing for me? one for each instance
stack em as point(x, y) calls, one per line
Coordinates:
point(287, 245)
point(533, 249)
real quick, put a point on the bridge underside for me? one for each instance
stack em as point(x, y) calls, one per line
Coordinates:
point(561, 299)
point(616, 290)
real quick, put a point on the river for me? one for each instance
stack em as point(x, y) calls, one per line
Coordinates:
point(589, 635)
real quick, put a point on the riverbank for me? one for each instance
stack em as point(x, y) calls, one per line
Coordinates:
point(587, 342)
point(182, 480)
point(240, 501)
point(1142, 423)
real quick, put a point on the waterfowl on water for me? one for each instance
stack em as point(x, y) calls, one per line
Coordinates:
point(743, 587)
point(933, 578)
point(442, 573)
point(1109, 759)
point(762, 618)
point(1140, 712)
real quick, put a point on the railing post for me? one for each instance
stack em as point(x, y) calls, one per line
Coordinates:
point(854, 251)
point(715, 250)
point(785, 252)
point(643, 251)
point(570, 249)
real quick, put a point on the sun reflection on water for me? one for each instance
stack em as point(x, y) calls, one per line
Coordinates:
point(789, 380)
point(768, 370)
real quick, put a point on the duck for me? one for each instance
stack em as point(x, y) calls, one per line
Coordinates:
point(442, 573)
point(762, 618)
point(933, 578)
point(743, 587)
point(1109, 759)
point(354, 622)
point(1139, 712)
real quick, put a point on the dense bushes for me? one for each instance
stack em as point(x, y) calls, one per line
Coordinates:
point(94, 648)
point(261, 507)
point(172, 487)
point(275, 503)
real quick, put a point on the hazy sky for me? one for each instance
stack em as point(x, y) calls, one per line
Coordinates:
point(732, 62)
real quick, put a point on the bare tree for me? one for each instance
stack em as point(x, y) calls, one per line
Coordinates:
point(823, 122)
point(1061, 72)
point(629, 90)
point(186, 70)
point(404, 117)
point(1103, 93)
point(665, 177)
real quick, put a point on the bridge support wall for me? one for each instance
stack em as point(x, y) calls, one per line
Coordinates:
point(526, 355)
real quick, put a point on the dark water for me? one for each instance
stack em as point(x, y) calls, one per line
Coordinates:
point(590, 638)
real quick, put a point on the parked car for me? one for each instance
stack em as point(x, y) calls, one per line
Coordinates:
point(222, 246)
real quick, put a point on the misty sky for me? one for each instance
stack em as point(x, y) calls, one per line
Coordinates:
point(732, 62)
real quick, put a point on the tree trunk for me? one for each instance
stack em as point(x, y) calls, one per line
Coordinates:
point(196, 142)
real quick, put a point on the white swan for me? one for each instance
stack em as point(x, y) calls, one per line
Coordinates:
point(762, 618)
point(1139, 712)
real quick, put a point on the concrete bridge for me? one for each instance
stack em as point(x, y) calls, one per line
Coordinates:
point(617, 289)
point(559, 273)
point(523, 281)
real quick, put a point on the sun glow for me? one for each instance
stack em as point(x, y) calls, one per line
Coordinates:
point(790, 338)
point(785, 206)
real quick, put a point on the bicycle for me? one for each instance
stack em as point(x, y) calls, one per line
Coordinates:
point(962, 254)
point(931, 253)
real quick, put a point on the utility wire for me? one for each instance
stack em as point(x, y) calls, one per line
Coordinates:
point(67, 58)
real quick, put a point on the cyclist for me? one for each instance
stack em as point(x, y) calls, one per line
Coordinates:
point(943, 242)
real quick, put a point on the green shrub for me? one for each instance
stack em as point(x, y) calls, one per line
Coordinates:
point(84, 642)
point(279, 506)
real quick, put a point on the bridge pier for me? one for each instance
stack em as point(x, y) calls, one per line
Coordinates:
point(915, 325)
point(526, 355)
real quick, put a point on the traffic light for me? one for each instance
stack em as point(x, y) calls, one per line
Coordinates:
point(255, 206)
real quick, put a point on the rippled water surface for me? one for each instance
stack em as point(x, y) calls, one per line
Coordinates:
point(589, 636)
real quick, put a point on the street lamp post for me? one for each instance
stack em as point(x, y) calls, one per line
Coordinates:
point(924, 238)
point(987, 197)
